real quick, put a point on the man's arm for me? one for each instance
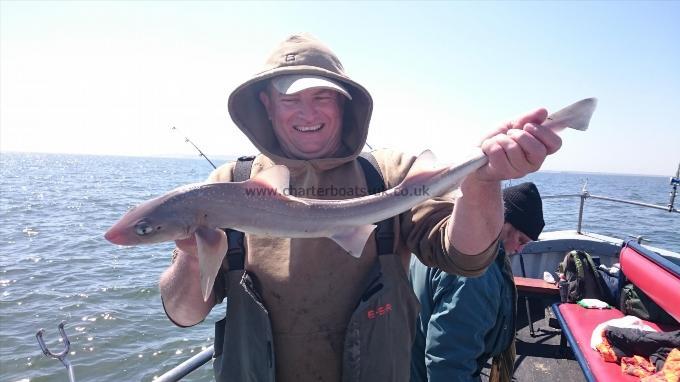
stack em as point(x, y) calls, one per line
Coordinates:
point(181, 289)
point(180, 284)
point(461, 237)
point(514, 150)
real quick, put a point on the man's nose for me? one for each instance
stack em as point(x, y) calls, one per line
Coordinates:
point(307, 111)
point(512, 247)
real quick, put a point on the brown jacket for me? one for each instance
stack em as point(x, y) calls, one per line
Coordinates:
point(303, 309)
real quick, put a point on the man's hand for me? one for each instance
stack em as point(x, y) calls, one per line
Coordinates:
point(181, 288)
point(514, 150)
point(518, 148)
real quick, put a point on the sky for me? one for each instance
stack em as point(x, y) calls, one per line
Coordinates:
point(112, 78)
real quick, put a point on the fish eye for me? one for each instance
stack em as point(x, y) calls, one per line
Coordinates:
point(144, 228)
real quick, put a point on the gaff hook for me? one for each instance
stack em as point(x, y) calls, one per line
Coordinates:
point(61, 356)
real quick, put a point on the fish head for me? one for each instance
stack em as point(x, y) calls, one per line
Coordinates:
point(148, 223)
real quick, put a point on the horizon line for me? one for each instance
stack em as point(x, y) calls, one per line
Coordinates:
point(234, 157)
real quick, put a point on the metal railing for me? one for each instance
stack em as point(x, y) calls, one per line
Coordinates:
point(188, 366)
point(585, 195)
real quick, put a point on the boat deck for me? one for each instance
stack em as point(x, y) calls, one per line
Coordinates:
point(538, 357)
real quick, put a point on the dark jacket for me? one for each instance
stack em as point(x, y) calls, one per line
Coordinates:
point(627, 342)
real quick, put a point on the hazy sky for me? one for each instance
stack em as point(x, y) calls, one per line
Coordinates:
point(113, 77)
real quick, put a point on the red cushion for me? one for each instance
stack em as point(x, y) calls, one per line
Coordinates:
point(659, 284)
point(581, 323)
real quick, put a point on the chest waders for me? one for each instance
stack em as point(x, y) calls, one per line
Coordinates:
point(379, 333)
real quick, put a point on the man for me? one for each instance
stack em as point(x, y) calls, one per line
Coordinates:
point(303, 309)
point(466, 320)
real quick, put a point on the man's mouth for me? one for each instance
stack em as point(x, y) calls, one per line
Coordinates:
point(308, 129)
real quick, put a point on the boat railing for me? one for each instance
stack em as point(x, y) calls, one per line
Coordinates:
point(585, 195)
point(175, 374)
point(180, 371)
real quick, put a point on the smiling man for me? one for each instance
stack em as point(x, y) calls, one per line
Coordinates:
point(306, 114)
point(464, 321)
point(304, 309)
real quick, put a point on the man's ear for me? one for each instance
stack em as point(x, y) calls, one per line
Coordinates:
point(266, 101)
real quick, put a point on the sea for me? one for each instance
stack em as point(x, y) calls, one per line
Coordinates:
point(56, 266)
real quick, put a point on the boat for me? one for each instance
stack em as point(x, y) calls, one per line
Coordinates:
point(542, 350)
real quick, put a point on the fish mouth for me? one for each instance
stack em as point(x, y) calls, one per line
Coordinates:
point(308, 128)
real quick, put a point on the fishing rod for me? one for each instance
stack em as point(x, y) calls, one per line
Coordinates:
point(675, 182)
point(200, 153)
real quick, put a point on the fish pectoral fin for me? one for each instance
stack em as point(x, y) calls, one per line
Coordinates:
point(276, 177)
point(353, 239)
point(212, 247)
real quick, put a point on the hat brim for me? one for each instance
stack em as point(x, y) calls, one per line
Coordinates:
point(291, 84)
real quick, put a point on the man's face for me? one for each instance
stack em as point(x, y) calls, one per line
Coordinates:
point(513, 239)
point(308, 124)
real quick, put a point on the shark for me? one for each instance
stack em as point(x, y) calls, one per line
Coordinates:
point(262, 206)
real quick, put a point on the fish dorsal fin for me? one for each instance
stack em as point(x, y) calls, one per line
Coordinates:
point(276, 177)
point(425, 162)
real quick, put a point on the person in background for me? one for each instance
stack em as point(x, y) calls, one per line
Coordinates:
point(464, 321)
